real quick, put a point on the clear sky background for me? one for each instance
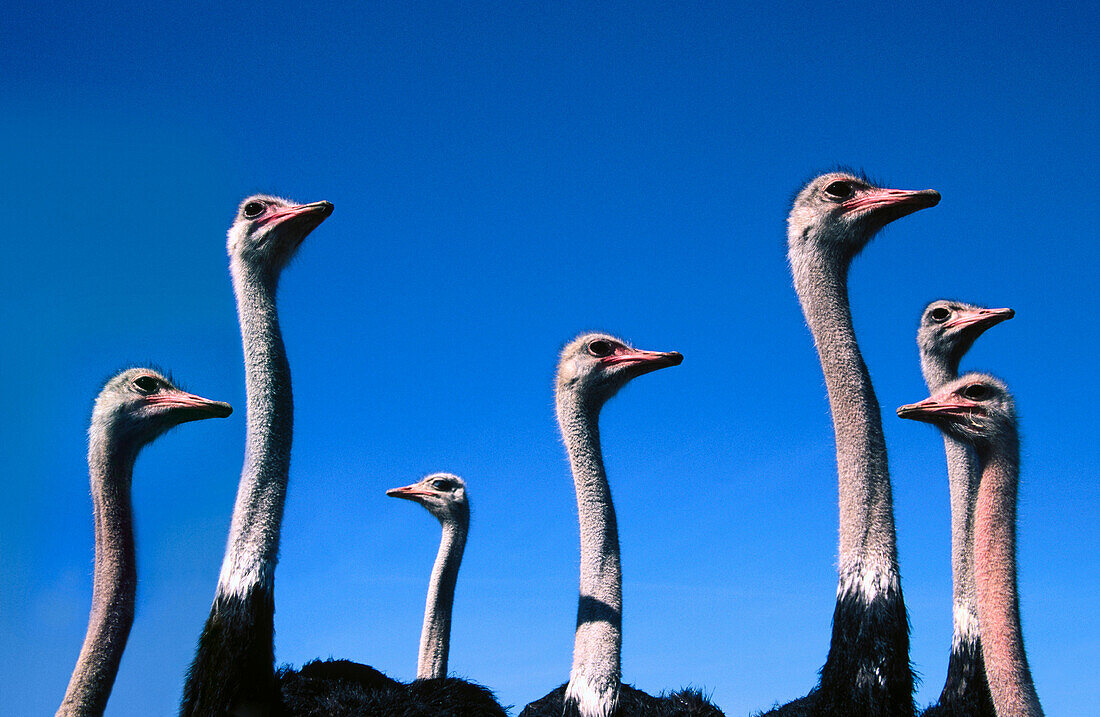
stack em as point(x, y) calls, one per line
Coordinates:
point(506, 176)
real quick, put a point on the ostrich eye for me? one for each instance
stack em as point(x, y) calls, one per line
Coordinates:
point(976, 392)
point(939, 314)
point(600, 349)
point(145, 384)
point(254, 209)
point(441, 485)
point(839, 190)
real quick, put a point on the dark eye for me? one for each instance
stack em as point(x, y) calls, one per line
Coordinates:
point(976, 392)
point(441, 485)
point(939, 314)
point(840, 190)
point(145, 384)
point(254, 209)
point(600, 348)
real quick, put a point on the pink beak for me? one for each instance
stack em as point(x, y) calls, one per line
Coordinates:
point(320, 210)
point(902, 200)
point(181, 399)
point(409, 492)
point(657, 359)
point(928, 409)
point(982, 318)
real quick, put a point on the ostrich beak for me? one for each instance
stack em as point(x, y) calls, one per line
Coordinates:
point(934, 409)
point(190, 407)
point(319, 209)
point(886, 205)
point(980, 319)
point(303, 218)
point(641, 362)
point(408, 492)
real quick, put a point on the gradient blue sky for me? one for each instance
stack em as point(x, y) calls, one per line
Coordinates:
point(505, 176)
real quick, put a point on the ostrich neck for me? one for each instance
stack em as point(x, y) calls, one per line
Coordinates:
point(938, 370)
point(998, 602)
point(114, 582)
point(435, 636)
point(595, 678)
point(868, 552)
point(963, 477)
point(257, 515)
point(234, 667)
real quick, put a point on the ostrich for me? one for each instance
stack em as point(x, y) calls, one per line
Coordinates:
point(444, 496)
point(337, 687)
point(133, 409)
point(233, 671)
point(592, 369)
point(977, 409)
point(947, 330)
point(867, 670)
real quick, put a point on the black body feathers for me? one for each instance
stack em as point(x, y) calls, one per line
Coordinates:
point(338, 688)
point(868, 639)
point(234, 663)
point(632, 703)
point(966, 691)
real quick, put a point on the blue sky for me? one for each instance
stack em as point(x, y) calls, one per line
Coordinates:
point(506, 176)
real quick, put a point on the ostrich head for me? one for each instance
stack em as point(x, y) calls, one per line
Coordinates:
point(976, 408)
point(596, 366)
point(838, 213)
point(443, 494)
point(140, 404)
point(949, 328)
point(268, 230)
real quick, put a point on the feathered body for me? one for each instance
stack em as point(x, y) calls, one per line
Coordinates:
point(592, 368)
point(335, 689)
point(867, 669)
point(132, 409)
point(631, 703)
point(978, 410)
point(947, 331)
point(234, 667)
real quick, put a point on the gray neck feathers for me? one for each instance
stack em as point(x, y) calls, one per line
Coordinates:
point(257, 515)
point(963, 477)
point(868, 550)
point(115, 582)
point(595, 678)
point(1006, 665)
point(435, 636)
